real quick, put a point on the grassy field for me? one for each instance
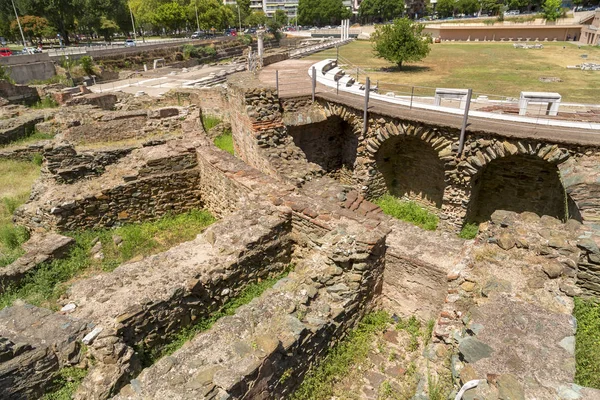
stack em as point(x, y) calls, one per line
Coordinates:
point(16, 178)
point(488, 68)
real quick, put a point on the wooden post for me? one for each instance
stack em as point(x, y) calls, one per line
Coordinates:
point(277, 81)
point(461, 143)
point(365, 116)
point(412, 92)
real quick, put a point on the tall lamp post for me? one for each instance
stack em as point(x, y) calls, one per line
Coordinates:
point(197, 19)
point(132, 22)
point(19, 23)
point(239, 16)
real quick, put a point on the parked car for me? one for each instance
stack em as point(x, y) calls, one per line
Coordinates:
point(3, 41)
point(30, 50)
point(198, 35)
point(5, 52)
point(230, 32)
point(129, 43)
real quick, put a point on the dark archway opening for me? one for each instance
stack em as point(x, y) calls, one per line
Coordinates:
point(517, 183)
point(412, 169)
point(330, 144)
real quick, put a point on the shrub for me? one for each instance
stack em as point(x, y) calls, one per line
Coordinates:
point(225, 142)
point(246, 40)
point(37, 159)
point(408, 211)
point(12, 237)
point(469, 231)
point(46, 102)
point(4, 75)
point(210, 51)
point(87, 64)
point(191, 51)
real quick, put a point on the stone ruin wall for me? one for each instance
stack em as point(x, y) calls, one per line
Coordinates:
point(334, 236)
point(353, 257)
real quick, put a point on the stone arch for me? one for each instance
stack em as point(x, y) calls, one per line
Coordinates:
point(516, 176)
point(517, 182)
point(409, 162)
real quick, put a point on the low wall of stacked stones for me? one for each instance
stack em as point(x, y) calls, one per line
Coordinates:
point(280, 335)
point(25, 153)
point(157, 295)
point(173, 290)
point(19, 129)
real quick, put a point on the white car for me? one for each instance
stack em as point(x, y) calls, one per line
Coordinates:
point(130, 43)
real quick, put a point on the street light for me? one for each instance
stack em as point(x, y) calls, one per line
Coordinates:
point(132, 23)
point(19, 23)
point(239, 15)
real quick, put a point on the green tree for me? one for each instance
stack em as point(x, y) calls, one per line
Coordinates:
point(468, 7)
point(552, 10)
point(381, 10)
point(213, 14)
point(33, 27)
point(256, 18)
point(321, 12)
point(170, 15)
point(401, 42)
point(281, 17)
point(446, 8)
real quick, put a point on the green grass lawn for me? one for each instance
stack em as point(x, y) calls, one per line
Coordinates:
point(495, 69)
point(16, 178)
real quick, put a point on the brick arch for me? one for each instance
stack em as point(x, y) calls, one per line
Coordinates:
point(429, 136)
point(523, 177)
point(410, 162)
point(477, 159)
point(350, 117)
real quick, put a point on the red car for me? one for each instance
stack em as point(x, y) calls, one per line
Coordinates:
point(5, 52)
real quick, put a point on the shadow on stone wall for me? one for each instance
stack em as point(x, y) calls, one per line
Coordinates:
point(331, 144)
point(411, 168)
point(518, 183)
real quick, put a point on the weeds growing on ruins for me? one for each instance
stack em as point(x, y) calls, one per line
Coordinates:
point(45, 286)
point(225, 142)
point(34, 137)
point(408, 211)
point(318, 383)
point(46, 102)
point(469, 231)
point(587, 348)
point(66, 384)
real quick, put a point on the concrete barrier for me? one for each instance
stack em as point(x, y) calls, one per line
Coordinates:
point(25, 68)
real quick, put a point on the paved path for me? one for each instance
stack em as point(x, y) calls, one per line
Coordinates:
point(159, 81)
point(295, 82)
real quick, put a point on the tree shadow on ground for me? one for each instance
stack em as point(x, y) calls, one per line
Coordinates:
point(406, 68)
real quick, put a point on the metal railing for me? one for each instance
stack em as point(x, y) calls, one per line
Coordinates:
point(498, 110)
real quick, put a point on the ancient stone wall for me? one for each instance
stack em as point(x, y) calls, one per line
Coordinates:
point(18, 128)
point(18, 93)
point(419, 162)
point(34, 344)
point(278, 336)
point(25, 153)
point(103, 127)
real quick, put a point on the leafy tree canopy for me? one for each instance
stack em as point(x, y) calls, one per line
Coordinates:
point(381, 10)
point(401, 42)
